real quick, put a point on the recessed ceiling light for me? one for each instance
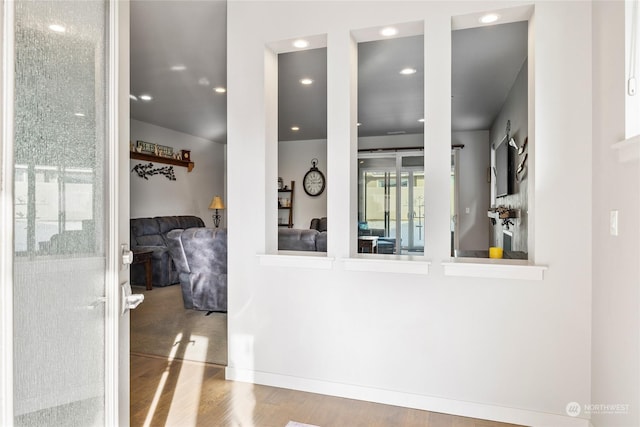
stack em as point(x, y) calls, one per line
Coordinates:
point(300, 43)
point(389, 31)
point(57, 28)
point(407, 71)
point(133, 97)
point(220, 89)
point(178, 67)
point(489, 18)
point(146, 97)
point(203, 81)
point(421, 120)
point(295, 128)
point(358, 124)
point(306, 81)
point(79, 114)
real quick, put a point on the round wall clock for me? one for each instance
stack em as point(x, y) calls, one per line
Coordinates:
point(313, 181)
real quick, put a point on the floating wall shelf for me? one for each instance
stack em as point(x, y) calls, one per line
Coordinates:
point(167, 160)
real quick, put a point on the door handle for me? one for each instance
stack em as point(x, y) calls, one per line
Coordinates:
point(127, 255)
point(128, 300)
point(97, 303)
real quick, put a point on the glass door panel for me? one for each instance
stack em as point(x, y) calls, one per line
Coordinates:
point(377, 202)
point(60, 227)
point(391, 202)
point(416, 242)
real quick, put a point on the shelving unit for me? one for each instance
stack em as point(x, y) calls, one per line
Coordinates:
point(288, 196)
point(167, 160)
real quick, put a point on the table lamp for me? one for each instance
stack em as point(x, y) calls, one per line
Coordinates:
point(216, 204)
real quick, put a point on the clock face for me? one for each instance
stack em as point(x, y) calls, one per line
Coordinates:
point(314, 182)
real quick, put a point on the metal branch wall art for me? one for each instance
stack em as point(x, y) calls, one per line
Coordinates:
point(145, 171)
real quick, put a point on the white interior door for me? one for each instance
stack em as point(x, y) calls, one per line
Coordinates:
point(64, 213)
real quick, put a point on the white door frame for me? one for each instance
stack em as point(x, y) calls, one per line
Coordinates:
point(119, 87)
point(117, 326)
point(6, 217)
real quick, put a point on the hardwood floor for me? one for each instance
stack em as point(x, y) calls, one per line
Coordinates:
point(183, 393)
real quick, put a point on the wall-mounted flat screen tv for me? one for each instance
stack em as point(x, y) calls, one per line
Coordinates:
point(504, 170)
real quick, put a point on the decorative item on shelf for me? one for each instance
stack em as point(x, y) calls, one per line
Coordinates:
point(506, 222)
point(495, 252)
point(145, 171)
point(146, 147)
point(186, 155)
point(280, 183)
point(314, 180)
point(218, 205)
point(502, 212)
point(165, 151)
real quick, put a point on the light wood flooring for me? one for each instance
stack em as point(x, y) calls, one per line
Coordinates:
point(183, 393)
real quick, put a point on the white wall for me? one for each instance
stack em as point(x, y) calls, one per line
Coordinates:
point(474, 190)
point(632, 102)
point(294, 161)
point(616, 272)
point(515, 110)
point(191, 192)
point(512, 350)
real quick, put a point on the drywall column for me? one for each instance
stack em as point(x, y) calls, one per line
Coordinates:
point(342, 143)
point(616, 272)
point(437, 136)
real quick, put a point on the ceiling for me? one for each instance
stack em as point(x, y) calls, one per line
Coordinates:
point(485, 63)
point(189, 33)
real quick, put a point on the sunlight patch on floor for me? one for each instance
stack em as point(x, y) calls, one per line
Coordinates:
point(161, 384)
point(186, 397)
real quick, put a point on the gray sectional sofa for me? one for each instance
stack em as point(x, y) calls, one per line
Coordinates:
point(297, 239)
point(150, 234)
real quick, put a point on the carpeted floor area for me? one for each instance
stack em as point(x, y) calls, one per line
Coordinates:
point(161, 326)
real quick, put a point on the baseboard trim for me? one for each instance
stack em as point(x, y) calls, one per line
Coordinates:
point(407, 400)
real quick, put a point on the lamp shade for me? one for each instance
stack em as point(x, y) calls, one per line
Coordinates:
point(216, 203)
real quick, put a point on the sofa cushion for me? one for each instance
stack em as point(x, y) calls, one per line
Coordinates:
point(150, 240)
point(142, 227)
point(167, 223)
point(319, 224)
point(321, 242)
point(188, 221)
point(293, 239)
point(174, 243)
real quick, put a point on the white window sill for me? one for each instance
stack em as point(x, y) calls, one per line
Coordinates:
point(493, 269)
point(297, 259)
point(387, 264)
point(628, 149)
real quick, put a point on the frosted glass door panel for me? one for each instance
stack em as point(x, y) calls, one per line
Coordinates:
point(60, 226)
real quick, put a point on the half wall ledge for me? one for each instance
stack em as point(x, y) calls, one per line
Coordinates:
point(387, 264)
point(494, 269)
point(292, 259)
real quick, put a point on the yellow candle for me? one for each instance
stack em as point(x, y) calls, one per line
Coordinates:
point(495, 252)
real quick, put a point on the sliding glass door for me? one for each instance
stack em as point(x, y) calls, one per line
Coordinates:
point(391, 201)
